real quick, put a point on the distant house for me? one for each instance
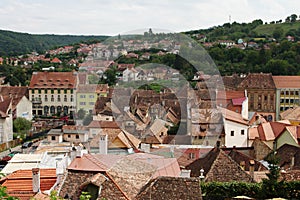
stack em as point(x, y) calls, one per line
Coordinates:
point(292, 115)
point(56, 60)
point(1, 61)
point(75, 134)
point(86, 97)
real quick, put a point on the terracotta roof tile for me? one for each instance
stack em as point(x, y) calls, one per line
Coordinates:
point(53, 80)
point(19, 183)
point(282, 82)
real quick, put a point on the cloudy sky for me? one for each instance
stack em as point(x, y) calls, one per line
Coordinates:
point(111, 17)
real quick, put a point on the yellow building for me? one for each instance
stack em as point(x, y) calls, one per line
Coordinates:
point(87, 95)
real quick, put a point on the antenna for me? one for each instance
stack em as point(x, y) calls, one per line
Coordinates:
point(230, 19)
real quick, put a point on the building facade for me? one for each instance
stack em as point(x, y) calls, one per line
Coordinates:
point(261, 94)
point(53, 93)
point(287, 93)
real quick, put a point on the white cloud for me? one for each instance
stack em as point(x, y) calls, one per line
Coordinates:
point(118, 16)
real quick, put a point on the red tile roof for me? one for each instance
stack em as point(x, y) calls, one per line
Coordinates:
point(287, 81)
point(19, 183)
point(62, 80)
point(239, 101)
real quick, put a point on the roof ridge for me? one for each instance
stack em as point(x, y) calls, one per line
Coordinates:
point(111, 178)
point(95, 161)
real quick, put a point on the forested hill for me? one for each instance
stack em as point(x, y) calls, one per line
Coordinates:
point(15, 43)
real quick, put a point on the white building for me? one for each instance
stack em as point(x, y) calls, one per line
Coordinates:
point(6, 120)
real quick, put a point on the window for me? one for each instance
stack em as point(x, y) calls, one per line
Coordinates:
point(69, 136)
point(266, 97)
point(46, 98)
point(232, 133)
point(65, 91)
point(58, 98)
point(77, 136)
point(82, 103)
point(52, 91)
point(58, 91)
point(82, 96)
point(242, 132)
point(259, 97)
point(92, 96)
point(192, 155)
point(91, 103)
point(40, 91)
point(297, 93)
point(282, 93)
point(71, 99)
point(52, 98)
point(65, 98)
point(53, 137)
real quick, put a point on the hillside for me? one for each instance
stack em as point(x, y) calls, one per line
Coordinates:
point(249, 31)
point(14, 43)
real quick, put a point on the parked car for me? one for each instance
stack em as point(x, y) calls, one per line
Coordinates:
point(11, 154)
point(26, 145)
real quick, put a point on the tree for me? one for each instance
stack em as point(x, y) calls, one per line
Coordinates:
point(277, 33)
point(81, 113)
point(293, 17)
point(87, 120)
point(21, 125)
point(4, 195)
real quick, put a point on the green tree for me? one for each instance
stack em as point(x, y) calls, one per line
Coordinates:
point(21, 125)
point(87, 120)
point(4, 195)
point(277, 33)
point(293, 17)
point(85, 196)
point(81, 113)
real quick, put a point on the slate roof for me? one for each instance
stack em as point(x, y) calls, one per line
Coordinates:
point(258, 81)
point(286, 153)
point(171, 188)
point(214, 165)
point(4, 107)
point(239, 157)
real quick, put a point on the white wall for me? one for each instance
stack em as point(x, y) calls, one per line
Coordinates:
point(24, 108)
point(238, 139)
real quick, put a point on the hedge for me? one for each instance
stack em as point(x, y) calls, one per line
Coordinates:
point(264, 190)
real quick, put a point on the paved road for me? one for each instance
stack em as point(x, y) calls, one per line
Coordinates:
point(18, 148)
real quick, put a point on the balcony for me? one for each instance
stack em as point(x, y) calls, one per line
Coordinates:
point(36, 101)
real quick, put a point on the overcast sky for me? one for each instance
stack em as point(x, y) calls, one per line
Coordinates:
point(111, 17)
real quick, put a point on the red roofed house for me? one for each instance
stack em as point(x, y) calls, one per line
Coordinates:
point(56, 60)
point(24, 184)
point(53, 92)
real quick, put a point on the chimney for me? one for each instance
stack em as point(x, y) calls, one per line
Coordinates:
point(185, 173)
point(79, 152)
point(35, 179)
point(251, 168)
point(103, 144)
point(293, 162)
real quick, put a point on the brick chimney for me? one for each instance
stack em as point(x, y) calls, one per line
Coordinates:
point(35, 179)
point(251, 168)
